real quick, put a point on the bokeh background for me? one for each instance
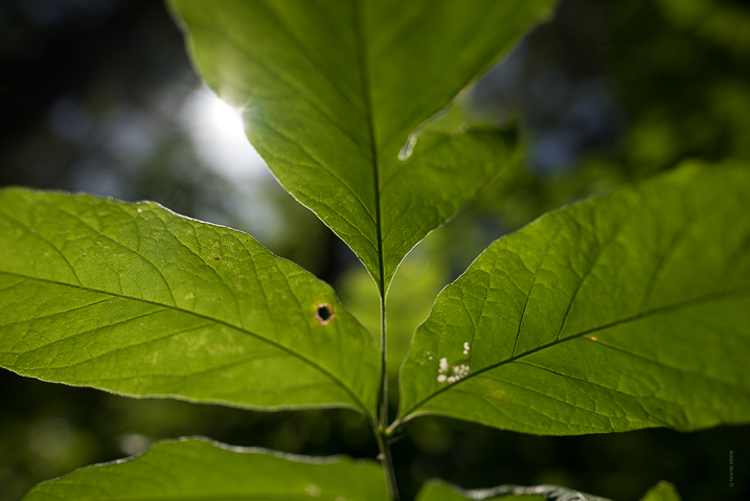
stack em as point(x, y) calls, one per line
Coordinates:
point(99, 96)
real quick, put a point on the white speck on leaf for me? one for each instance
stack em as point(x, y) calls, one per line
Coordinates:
point(443, 364)
point(458, 372)
point(461, 371)
point(312, 490)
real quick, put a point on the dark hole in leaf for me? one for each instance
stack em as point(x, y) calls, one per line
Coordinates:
point(323, 313)
point(217, 258)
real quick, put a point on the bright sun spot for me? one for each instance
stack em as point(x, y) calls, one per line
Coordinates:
point(226, 119)
point(219, 138)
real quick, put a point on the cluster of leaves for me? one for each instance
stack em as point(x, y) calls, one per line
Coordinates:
point(626, 311)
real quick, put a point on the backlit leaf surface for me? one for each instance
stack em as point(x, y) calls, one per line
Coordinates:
point(331, 91)
point(138, 300)
point(626, 311)
point(201, 470)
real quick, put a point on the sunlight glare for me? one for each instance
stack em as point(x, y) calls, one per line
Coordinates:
point(219, 138)
point(226, 119)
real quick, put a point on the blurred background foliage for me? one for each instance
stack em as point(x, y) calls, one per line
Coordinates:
point(98, 96)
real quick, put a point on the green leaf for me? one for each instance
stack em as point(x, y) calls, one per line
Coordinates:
point(201, 470)
point(332, 91)
point(663, 491)
point(135, 299)
point(626, 311)
point(440, 491)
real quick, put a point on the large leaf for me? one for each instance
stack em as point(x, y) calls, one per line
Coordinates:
point(626, 311)
point(440, 491)
point(135, 299)
point(200, 470)
point(332, 90)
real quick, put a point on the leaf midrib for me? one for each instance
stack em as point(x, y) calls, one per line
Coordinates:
point(362, 62)
point(638, 316)
point(244, 330)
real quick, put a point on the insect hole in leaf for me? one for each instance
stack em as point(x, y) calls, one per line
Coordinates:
point(323, 313)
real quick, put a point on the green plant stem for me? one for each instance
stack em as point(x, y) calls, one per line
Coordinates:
point(380, 431)
point(384, 367)
point(387, 462)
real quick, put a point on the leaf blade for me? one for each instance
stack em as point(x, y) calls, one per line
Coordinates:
point(135, 299)
point(331, 92)
point(622, 312)
point(200, 469)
